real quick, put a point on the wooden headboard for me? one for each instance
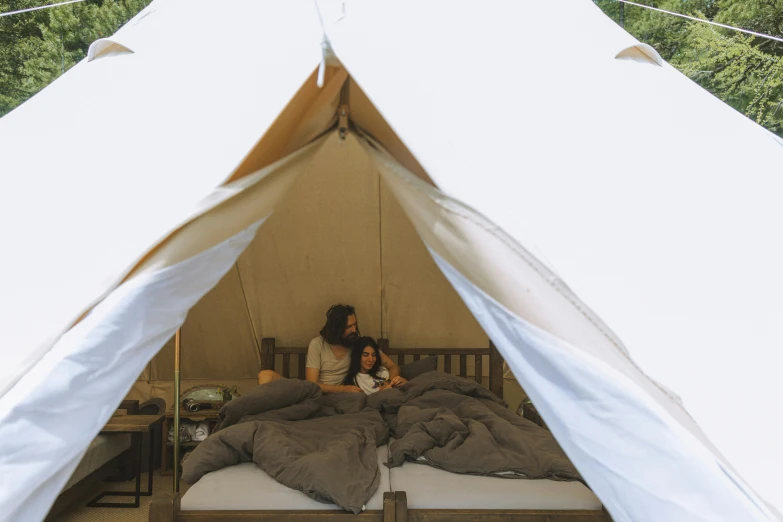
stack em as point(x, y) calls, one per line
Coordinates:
point(269, 350)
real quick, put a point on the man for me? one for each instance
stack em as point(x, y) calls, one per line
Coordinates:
point(328, 357)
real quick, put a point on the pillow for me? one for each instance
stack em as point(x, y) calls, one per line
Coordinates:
point(416, 368)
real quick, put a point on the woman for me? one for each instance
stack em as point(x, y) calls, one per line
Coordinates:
point(366, 371)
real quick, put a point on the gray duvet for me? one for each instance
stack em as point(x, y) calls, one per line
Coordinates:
point(324, 445)
point(455, 424)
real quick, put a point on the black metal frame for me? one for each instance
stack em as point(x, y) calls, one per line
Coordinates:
point(136, 440)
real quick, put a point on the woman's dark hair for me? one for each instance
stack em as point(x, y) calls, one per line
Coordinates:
point(357, 347)
point(336, 321)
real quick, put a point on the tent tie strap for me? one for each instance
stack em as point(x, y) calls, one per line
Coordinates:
point(326, 52)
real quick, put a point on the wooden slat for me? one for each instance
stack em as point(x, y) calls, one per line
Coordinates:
point(164, 507)
point(290, 350)
point(402, 514)
point(416, 357)
point(412, 515)
point(302, 361)
point(388, 507)
point(502, 515)
point(495, 371)
point(333, 515)
point(439, 351)
point(463, 365)
point(131, 423)
point(400, 506)
point(447, 363)
point(286, 365)
point(479, 368)
point(268, 353)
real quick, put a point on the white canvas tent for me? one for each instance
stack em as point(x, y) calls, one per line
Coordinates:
point(524, 161)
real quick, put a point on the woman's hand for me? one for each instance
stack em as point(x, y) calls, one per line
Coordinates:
point(349, 388)
point(397, 381)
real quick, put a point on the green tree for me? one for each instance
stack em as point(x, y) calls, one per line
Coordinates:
point(41, 45)
point(739, 70)
point(19, 35)
point(744, 71)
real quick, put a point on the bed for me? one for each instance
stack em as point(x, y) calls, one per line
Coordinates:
point(411, 492)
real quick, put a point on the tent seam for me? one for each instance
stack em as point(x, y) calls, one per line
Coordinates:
point(380, 260)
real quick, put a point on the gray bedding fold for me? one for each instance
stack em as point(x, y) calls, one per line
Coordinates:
point(321, 445)
point(457, 425)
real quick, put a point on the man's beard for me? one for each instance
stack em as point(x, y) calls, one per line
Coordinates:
point(350, 337)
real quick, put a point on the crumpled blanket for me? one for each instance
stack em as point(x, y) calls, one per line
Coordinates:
point(322, 445)
point(455, 424)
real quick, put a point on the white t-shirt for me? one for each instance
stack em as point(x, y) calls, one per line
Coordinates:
point(332, 369)
point(368, 384)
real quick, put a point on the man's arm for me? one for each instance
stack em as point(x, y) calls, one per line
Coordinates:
point(311, 374)
point(394, 370)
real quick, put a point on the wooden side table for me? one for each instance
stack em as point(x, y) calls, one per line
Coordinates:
point(136, 425)
point(196, 416)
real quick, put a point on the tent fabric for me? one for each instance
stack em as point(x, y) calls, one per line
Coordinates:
point(597, 403)
point(127, 133)
point(591, 397)
point(650, 198)
point(593, 183)
point(56, 409)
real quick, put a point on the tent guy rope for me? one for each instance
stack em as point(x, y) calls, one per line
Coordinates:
point(9, 13)
point(746, 31)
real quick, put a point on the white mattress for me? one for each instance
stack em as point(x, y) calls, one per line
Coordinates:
point(101, 450)
point(246, 486)
point(427, 488)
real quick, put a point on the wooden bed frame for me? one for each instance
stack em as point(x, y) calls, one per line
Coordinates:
point(269, 350)
point(166, 508)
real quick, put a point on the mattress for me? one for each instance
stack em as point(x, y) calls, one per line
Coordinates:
point(101, 450)
point(429, 488)
point(246, 487)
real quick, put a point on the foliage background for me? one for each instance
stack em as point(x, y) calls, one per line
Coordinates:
point(744, 71)
point(37, 47)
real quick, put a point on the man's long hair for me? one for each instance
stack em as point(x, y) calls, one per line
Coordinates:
point(336, 320)
point(357, 347)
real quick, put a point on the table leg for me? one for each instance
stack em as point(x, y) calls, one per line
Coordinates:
point(136, 439)
point(150, 464)
point(164, 439)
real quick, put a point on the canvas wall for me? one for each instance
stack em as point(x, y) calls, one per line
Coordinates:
point(339, 236)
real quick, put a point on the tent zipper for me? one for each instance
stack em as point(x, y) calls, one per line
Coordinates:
point(344, 111)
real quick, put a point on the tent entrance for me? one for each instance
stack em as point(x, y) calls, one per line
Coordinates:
point(334, 231)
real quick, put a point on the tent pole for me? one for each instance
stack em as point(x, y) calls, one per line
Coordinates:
point(176, 410)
